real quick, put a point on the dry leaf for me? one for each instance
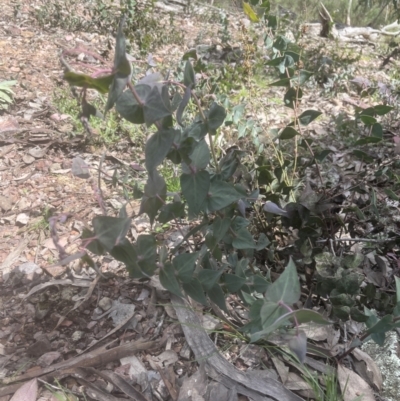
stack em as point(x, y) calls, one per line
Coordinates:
point(27, 392)
point(353, 386)
point(372, 369)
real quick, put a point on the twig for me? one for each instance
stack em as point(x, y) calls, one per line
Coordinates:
point(378, 241)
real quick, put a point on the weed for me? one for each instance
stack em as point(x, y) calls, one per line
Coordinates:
point(6, 93)
point(144, 28)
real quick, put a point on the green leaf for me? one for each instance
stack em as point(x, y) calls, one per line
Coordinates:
point(308, 315)
point(357, 316)
point(220, 227)
point(308, 116)
point(93, 245)
point(128, 107)
point(208, 278)
point(260, 284)
point(233, 283)
point(270, 312)
point(292, 97)
point(195, 189)
point(216, 116)
point(302, 77)
point(377, 131)
point(273, 316)
point(200, 157)
point(367, 140)
point(286, 288)
point(323, 154)
point(378, 337)
point(101, 84)
point(281, 82)
point(155, 193)
point(155, 107)
point(212, 245)
point(397, 280)
point(363, 156)
point(248, 10)
point(243, 240)
point(89, 110)
point(195, 291)
point(126, 253)
point(281, 43)
point(157, 148)
point(381, 109)
point(396, 311)
point(217, 296)
point(368, 120)
point(5, 85)
point(262, 242)
point(188, 75)
point(171, 211)
point(169, 281)
point(382, 326)
point(391, 194)
point(110, 231)
point(185, 264)
point(182, 105)
point(192, 53)
point(288, 133)
point(220, 195)
point(5, 97)
point(146, 248)
point(148, 108)
point(122, 67)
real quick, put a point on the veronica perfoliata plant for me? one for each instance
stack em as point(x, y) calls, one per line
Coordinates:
point(212, 194)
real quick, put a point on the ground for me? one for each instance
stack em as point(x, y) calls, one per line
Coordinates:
point(52, 313)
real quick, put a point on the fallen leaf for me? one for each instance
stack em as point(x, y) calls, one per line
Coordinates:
point(353, 386)
point(372, 369)
point(27, 392)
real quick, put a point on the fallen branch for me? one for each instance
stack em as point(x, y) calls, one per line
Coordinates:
point(99, 357)
point(218, 368)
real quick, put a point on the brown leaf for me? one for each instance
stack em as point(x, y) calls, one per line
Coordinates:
point(353, 386)
point(28, 392)
point(373, 371)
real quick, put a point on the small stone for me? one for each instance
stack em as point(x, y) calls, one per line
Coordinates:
point(29, 268)
point(28, 159)
point(105, 303)
point(36, 152)
point(22, 219)
point(48, 358)
point(28, 272)
point(77, 335)
point(5, 203)
point(91, 324)
point(39, 348)
point(55, 167)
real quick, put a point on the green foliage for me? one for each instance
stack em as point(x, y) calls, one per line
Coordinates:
point(217, 190)
point(100, 16)
point(6, 93)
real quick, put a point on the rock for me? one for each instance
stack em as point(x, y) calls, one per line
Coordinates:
point(39, 348)
point(77, 335)
point(22, 219)
point(105, 303)
point(5, 203)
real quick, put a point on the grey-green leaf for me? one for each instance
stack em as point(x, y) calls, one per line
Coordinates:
point(195, 189)
point(169, 281)
point(287, 287)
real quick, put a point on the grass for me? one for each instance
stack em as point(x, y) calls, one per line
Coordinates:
point(110, 129)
